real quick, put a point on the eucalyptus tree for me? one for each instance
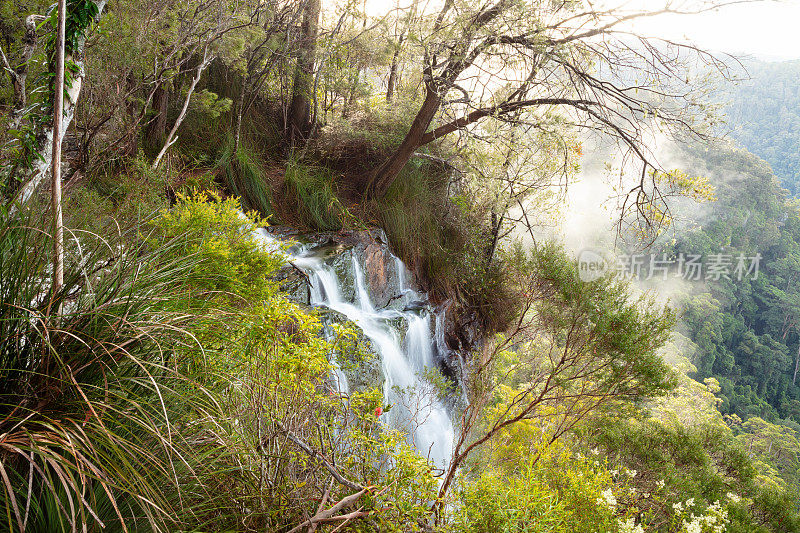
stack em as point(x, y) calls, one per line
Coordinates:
point(299, 124)
point(37, 138)
point(577, 349)
point(537, 62)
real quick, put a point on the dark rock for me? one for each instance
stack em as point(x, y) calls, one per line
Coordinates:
point(294, 283)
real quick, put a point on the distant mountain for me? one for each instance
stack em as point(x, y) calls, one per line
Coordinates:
point(764, 115)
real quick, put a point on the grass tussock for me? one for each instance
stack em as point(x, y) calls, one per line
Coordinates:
point(86, 417)
point(310, 198)
point(245, 176)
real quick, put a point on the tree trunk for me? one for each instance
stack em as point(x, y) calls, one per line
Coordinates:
point(391, 84)
point(350, 103)
point(239, 111)
point(171, 138)
point(391, 168)
point(55, 189)
point(393, 74)
point(157, 128)
point(494, 237)
point(299, 125)
point(40, 169)
point(796, 366)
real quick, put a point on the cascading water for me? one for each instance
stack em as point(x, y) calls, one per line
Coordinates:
point(405, 359)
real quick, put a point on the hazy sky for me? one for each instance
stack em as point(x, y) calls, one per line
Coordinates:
point(766, 29)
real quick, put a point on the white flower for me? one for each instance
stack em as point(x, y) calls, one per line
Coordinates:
point(734, 498)
point(660, 484)
point(694, 527)
point(595, 451)
point(678, 507)
point(607, 499)
point(632, 473)
point(689, 502)
point(629, 526)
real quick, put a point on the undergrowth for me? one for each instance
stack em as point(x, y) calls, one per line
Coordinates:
point(163, 395)
point(441, 236)
point(244, 175)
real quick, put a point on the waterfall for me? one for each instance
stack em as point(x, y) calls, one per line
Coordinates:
point(405, 359)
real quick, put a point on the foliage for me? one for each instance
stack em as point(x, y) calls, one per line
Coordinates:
point(244, 176)
point(216, 234)
point(744, 330)
point(311, 195)
point(506, 490)
point(762, 116)
point(84, 392)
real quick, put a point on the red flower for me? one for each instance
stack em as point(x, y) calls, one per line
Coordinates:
point(378, 411)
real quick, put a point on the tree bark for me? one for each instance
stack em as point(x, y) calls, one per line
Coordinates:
point(157, 128)
point(55, 189)
point(300, 125)
point(239, 110)
point(391, 168)
point(390, 84)
point(796, 366)
point(41, 168)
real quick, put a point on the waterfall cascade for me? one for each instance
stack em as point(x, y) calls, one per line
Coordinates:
point(406, 333)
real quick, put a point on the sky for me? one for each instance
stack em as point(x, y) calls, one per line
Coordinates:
point(765, 29)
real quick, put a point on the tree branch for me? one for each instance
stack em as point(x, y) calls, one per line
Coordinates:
point(501, 109)
point(328, 466)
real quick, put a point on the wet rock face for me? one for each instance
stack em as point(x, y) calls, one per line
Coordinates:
point(358, 359)
point(294, 283)
point(380, 274)
point(369, 247)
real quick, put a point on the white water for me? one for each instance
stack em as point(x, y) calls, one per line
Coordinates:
point(415, 407)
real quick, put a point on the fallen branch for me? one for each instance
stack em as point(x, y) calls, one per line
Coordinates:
point(327, 516)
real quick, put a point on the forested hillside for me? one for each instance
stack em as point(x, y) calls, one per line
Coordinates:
point(750, 341)
point(763, 117)
point(275, 265)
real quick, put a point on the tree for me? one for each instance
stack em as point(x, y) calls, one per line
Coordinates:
point(55, 189)
point(80, 17)
point(204, 25)
point(541, 62)
point(576, 349)
point(262, 54)
point(300, 123)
